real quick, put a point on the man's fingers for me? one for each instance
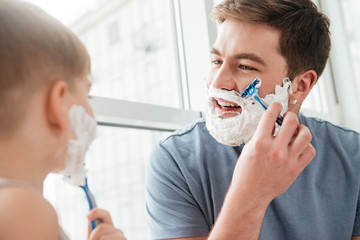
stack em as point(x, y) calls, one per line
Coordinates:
point(302, 140)
point(307, 155)
point(288, 128)
point(100, 214)
point(268, 119)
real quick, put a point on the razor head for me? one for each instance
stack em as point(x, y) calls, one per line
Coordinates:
point(251, 89)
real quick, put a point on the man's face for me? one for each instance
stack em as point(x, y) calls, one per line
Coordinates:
point(243, 51)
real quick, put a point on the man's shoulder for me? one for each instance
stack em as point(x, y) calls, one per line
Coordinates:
point(188, 134)
point(319, 125)
point(192, 143)
point(330, 134)
point(191, 128)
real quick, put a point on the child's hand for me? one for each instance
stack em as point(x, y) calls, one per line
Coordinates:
point(106, 228)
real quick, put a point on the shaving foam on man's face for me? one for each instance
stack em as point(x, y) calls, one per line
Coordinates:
point(234, 128)
point(84, 128)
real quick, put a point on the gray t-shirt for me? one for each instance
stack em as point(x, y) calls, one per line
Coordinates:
point(189, 173)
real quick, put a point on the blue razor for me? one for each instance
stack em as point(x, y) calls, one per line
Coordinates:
point(92, 204)
point(252, 92)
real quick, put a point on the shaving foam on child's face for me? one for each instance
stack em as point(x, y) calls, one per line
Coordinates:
point(84, 127)
point(239, 129)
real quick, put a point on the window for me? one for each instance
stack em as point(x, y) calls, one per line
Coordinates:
point(141, 63)
point(113, 33)
point(344, 60)
point(350, 13)
point(116, 162)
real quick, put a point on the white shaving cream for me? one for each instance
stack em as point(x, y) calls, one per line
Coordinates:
point(84, 127)
point(239, 129)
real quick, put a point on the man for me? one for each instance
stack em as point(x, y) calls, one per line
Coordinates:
point(299, 180)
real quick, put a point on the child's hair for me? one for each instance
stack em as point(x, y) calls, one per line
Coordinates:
point(35, 51)
point(305, 37)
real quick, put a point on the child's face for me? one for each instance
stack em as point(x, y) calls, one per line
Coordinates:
point(80, 133)
point(80, 94)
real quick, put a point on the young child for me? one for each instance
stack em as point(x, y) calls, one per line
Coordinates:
point(46, 122)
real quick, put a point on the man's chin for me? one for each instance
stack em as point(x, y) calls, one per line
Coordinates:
point(227, 130)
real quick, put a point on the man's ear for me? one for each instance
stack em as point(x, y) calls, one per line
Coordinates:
point(301, 86)
point(57, 105)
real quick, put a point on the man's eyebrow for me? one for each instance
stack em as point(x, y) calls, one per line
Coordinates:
point(249, 56)
point(252, 57)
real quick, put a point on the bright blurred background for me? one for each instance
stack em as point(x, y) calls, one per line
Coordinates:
point(149, 60)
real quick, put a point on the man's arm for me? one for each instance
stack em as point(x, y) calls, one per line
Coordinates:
point(266, 168)
point(355, 238)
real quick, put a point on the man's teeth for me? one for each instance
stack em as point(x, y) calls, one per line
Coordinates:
point(227, 104)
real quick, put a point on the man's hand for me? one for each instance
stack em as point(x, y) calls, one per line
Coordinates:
point(266, 168)
point(269, 164)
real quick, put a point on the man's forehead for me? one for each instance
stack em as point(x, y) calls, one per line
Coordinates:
point(233, 28)
point(247, 39)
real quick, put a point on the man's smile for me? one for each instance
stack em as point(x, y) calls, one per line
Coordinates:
point(226, 108)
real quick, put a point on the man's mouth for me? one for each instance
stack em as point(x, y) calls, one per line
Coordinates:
point(226, 108)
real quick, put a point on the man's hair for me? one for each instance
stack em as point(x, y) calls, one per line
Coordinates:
point(305, 38)
point(35, 51)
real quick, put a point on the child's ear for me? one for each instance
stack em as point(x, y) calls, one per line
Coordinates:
point(301, 86)
point(57, 105)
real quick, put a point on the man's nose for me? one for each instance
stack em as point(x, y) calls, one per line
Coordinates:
point(224, 78)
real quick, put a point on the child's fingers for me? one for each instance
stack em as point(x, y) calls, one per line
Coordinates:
point(106, 231)
point(101, 214)
point(89, 231)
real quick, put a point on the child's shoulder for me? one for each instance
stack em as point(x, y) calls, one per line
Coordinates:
point(26, 214)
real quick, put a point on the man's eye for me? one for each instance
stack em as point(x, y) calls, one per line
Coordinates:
point(244, 67)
